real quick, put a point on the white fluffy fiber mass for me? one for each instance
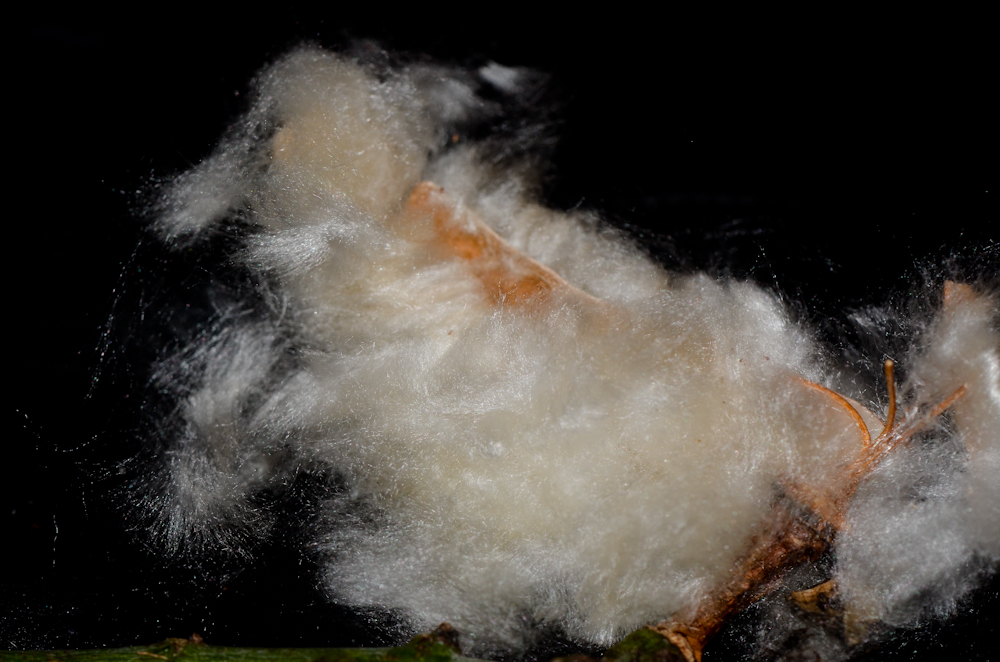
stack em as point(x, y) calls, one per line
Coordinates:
point(509, 466)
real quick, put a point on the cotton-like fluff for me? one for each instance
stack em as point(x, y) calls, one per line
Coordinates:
point(591, 454)
point(947, 483)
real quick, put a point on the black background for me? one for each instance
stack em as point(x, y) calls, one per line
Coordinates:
point(828, 156)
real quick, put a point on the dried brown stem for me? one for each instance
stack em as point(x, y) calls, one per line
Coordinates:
point(801, 528)
point(866, 437)
point(890, 384)
point(793, 535)
point(869, 459)
point(507, 275)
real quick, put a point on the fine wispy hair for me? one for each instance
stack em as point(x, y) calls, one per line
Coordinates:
point(527, 424)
